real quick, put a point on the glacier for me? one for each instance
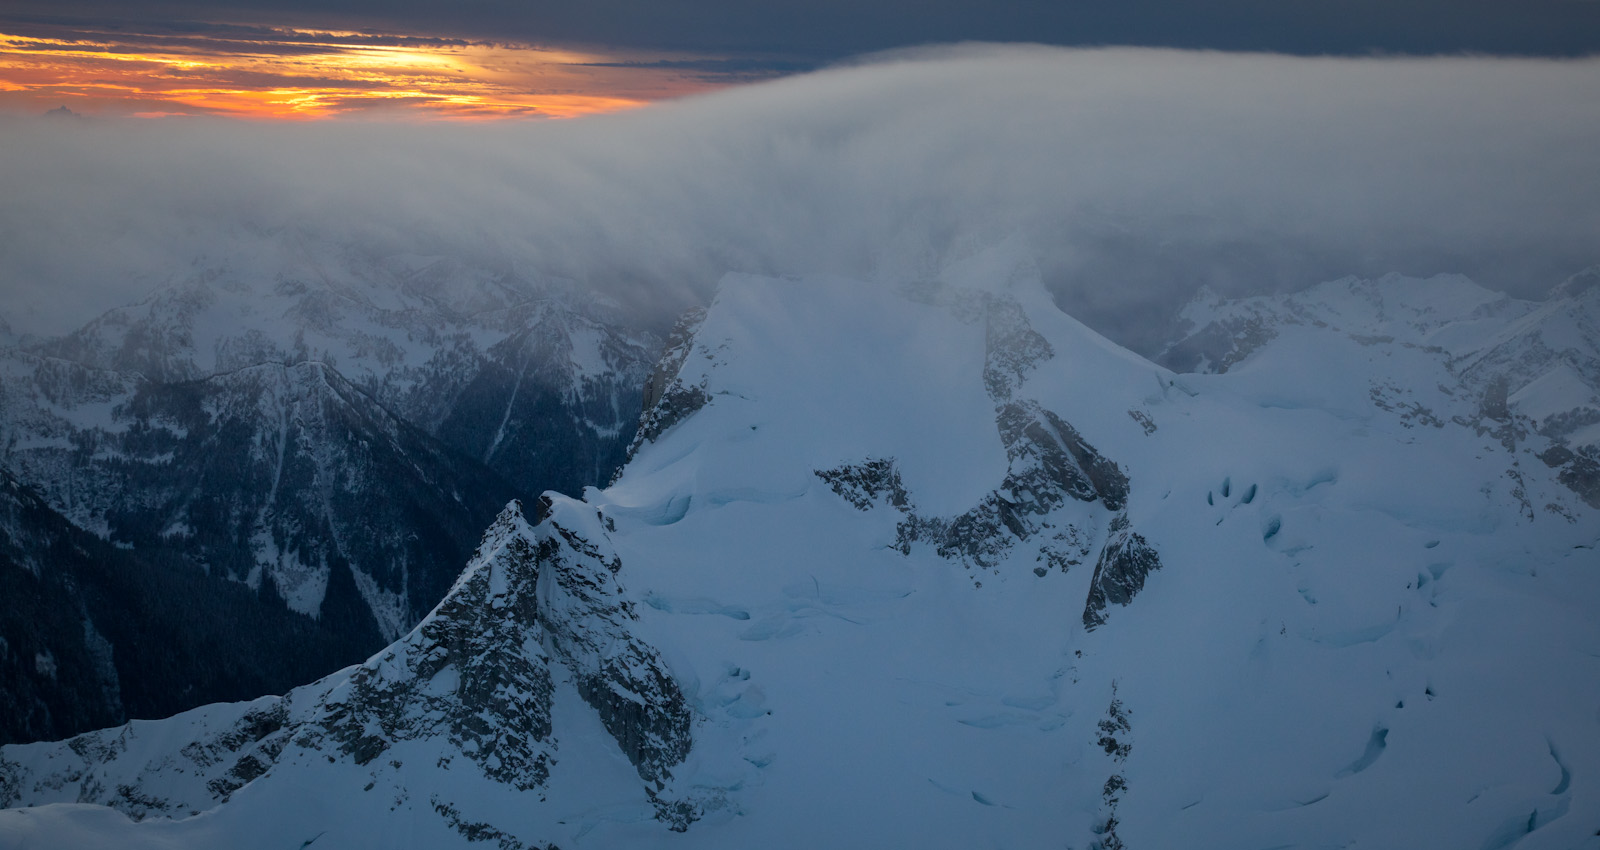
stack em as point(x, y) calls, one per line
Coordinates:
point(931, 563)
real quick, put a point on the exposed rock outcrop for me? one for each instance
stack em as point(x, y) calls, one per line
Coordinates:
point(868, 483)
point(586, 618)
point(1579, 470)
point(1012, 348)
point(494, 704)
point(667, 399)
point(1125, 562)
point(1050, 463)
point(535, 604)
point(1050, 459)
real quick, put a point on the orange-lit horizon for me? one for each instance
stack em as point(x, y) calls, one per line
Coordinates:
point(289, 74)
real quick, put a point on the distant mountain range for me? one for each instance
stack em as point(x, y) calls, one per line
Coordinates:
point(317, 433)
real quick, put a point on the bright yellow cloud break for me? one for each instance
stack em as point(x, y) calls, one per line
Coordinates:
point(297, 74)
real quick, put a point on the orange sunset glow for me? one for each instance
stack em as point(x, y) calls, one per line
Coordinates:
point(270, 73)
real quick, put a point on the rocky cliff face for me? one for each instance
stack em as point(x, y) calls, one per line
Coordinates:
point(667, 398)
point(1125, 561)
point(1049, 464)
point(87, 637)
point(589, 621)
point(473, 673)
point(474, 680)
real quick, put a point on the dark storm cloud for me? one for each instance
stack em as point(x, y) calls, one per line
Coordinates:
point(1136, 175)
point(201, 37)
point(836, 28)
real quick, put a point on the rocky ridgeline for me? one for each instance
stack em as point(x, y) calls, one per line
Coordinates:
point(668, 399)
point(534, 599)
point(624, 679)
point(1049, 465)
point(495, 707)
point(1012, 347)
point(535, 605)
point(1126, 560)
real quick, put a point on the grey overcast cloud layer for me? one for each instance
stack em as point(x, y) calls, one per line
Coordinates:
point(823, 30)
point(1137, 175)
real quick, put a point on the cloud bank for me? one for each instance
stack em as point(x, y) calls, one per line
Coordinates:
point(1137, 175)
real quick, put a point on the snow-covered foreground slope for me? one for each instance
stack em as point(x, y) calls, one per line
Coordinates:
point(938, 566)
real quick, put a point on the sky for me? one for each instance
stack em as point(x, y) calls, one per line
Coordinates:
point(1245, 145)
point(1137, 175)
point(162, 69)
point(477, 59)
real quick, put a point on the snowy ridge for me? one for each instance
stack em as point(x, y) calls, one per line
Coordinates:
point(1260, 607)
point(477, 679)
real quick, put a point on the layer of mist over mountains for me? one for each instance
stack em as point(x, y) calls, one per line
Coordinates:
point(1137, 175)
point(1087, 447)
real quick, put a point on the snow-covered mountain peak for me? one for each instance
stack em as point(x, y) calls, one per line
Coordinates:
point(881, 571)
point(501, 564)
point(783, 377)
point(929, 396)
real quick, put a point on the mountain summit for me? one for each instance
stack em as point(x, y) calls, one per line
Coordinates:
point(933, 564)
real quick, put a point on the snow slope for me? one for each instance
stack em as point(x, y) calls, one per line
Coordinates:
point(936, 565)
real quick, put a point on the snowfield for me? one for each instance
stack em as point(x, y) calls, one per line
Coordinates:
point(935, 565)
